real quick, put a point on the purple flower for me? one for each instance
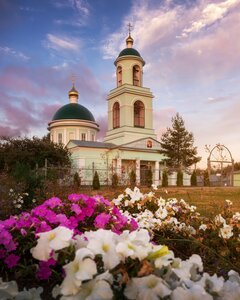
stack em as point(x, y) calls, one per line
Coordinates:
point(91, 202)
point(44, 270)
point(101, 220)
point(88, 211)
point(53, 202)
point(133, 224)
point(74, 197)
point(75, 208)
point(11, 260)
point(23, 232)
point(2, 253)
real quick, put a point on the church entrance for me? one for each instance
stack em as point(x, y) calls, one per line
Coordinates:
point(144, 167)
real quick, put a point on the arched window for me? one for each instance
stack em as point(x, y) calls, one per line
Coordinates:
point(136, 75)
point(119, 76)
point(139, 114)
point(116, 115)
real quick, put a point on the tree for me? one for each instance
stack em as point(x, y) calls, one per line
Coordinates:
point(96, 182)
point(206, 180)
point(194, 178)
point(132, 177)
point(164, 179)
point(31, 152)
point(114, 180)
point(76, 181)
point(149, 176)
point(177, 145)
point(179, 178)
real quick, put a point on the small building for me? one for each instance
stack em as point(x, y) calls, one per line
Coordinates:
point(236, 178)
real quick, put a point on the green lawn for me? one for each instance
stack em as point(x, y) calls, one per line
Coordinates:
point(209, 200)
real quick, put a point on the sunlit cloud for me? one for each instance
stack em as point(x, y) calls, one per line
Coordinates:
point(18, 54)
point(211, 13)
point(61, 43)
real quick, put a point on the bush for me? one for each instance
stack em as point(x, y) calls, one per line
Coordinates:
point(194, 178)
point(164, 179)
point(76, 181)
point(149, 176)
point(206, 181)
point(132, 177)
point(114, 180)
point(179, 178)
point(96, 183)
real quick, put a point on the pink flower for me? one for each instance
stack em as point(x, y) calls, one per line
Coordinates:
point(101, 220)
point(2, 253)
point(11, 260)
point(75, 208)
point(53, 202)
point(88, 211)
point(133, 224)
point(74, 197)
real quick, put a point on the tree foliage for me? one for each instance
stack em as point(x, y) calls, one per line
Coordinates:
point(194, 178)
point(96, 182)
point(179, 178)
point(164, 179)
point(177, 145)
point(31, 152)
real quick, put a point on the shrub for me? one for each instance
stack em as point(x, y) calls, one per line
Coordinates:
point(206, 180)
point(114, 180)
point(165, 179)
point(194, 178)
point(96, 183)
point(132, 177)
point(149, 178)
point(179, 178)
point(76, 181)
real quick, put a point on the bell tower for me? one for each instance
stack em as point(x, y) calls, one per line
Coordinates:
point(129, 104)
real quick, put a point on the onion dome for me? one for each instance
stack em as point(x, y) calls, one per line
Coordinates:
point(129, 50)
point(73, 111)
point(73, 91)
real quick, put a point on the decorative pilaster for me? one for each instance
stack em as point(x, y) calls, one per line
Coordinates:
point(156, 173)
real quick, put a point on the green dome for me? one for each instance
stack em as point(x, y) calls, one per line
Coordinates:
point(129, 51)
point(73, 111)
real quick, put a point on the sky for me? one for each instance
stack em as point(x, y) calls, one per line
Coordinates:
point(191, 49)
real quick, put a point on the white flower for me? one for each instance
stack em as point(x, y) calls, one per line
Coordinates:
point(229, 203)
point(135, 195)
point(230, 291)
point(82, 268)
point(226, 232)
point(161, 202)
point(161, 255)
point(146, 288)
point(203, 227)
point(31, 294)
point(8, 289)
point(196, 292)
point(55, 239)
point(134, 244)
point(219, 220)
point(154, 187)
point(161, 213)
point(104, 242)
point(96, 289)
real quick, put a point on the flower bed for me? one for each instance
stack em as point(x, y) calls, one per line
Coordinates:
point(177, 224)
point(91, 248)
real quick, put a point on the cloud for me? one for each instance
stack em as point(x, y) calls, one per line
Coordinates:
point(29, 97)
point(18, 54)
point(211, 13)
point(81, 10)
point(61, 43)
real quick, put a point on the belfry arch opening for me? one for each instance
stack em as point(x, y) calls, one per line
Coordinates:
point(136, 75)
point(116, 115)
point(139, 114)
point(119, 76)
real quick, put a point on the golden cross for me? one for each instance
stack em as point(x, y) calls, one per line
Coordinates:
point(73, 78)
point(130, 27)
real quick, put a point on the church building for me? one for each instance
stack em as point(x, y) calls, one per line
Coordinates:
point(130, 142)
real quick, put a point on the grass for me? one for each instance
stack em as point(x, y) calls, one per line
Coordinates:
point(209, 200)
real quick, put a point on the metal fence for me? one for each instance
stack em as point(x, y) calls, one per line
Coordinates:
point(66, 175)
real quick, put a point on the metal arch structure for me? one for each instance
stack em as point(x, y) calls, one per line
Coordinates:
point(222, 160)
